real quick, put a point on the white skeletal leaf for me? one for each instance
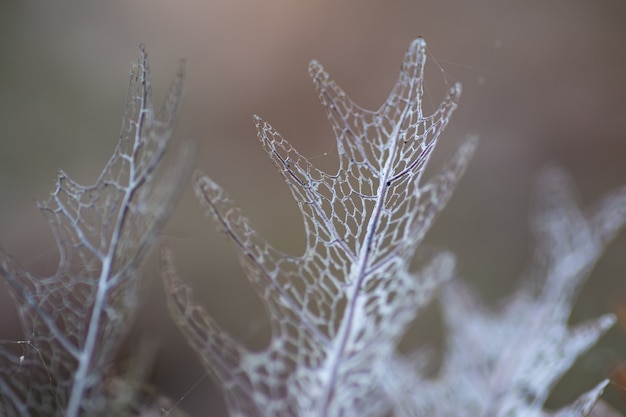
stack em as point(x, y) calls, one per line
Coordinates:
point(75, 320)
point(338, 311)
point(505, 363)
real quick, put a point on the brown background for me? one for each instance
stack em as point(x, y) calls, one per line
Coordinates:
point(543, 81)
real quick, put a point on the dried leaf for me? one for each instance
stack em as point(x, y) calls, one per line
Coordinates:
point(338, 311)
point(74, 321)
point(505, 363)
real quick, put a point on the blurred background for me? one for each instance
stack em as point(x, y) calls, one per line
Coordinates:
point(542, 82)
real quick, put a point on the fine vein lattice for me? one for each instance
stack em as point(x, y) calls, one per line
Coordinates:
point(338, 311)
point(74, 321)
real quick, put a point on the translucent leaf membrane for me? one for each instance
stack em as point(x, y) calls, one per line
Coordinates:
point(75, 320)
point(338, 311)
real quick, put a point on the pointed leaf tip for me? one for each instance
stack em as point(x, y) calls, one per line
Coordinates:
point(418, 42)
point(468, 148)
point(584, 404)
point(315, 69)
point(455, 91)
